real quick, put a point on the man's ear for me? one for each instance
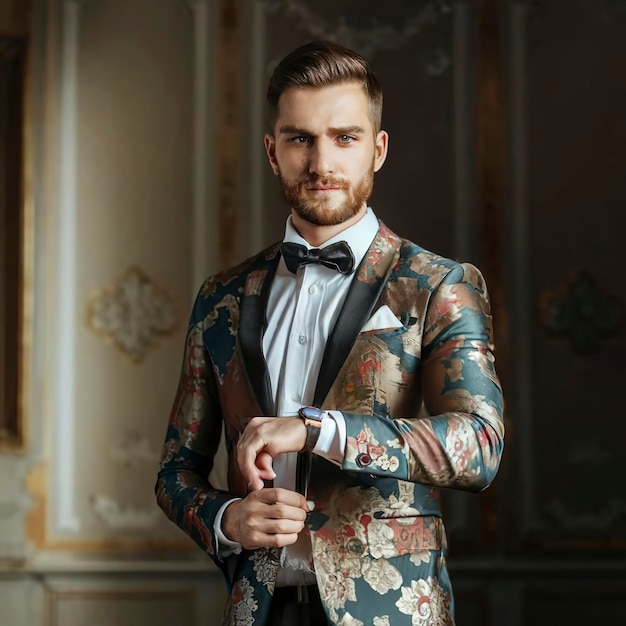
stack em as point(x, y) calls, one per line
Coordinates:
point(380, 149)
point(270, 149)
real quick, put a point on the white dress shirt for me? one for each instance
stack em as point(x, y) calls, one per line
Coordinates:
point(301, 312)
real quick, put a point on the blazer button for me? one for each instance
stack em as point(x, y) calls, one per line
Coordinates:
point(355, 547)
point(363, 460)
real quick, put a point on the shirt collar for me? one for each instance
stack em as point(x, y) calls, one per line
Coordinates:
point(359, 236)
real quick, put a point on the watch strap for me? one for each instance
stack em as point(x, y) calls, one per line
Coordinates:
point(312, 418)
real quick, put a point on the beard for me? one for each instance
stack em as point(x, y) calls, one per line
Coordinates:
point(325, 211)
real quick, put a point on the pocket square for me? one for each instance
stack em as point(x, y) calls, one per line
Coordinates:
point(383, 317)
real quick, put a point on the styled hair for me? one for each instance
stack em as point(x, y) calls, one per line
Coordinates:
point(322, 64)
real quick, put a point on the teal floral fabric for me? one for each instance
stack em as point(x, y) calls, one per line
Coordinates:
point(423, 410)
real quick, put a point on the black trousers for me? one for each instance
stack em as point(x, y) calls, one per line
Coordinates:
point(297, 606)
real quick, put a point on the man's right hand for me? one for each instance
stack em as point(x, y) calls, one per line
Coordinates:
point(267, 518)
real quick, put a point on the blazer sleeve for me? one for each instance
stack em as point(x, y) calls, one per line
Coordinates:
point(458, 443)
point(193, 435)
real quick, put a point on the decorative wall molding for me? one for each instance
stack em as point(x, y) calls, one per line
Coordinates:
point(365, 40)
point(183, 600)
point(256, 112)
point(580, 315)
point(601, 518)
point(588, 453)
point(38, 489)
point(229, 115)
point(518, 257)
point(135, 449)
point(463, 108)
point(457, 504)
point(64, 380)
point(133, 314)
point(118, 517)
point(204, 223)
point(436, 61)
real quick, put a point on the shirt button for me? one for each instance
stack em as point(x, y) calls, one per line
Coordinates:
point(313, 289)
point(301, 340)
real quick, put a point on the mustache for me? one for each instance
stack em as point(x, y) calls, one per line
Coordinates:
point(326, 181)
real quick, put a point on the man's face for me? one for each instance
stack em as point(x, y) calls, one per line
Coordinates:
point(325, 151)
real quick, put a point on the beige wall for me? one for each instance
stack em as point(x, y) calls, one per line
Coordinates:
point(119, 123)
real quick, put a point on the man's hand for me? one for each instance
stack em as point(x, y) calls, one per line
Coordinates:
point(260, 442)
point(267, 518)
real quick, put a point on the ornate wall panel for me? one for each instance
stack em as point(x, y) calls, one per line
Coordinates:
point(16, 270)
point(565, 265)
point(132, 595)
point(159, 607)
point(128, 246)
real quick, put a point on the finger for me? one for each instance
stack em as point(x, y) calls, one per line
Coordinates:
point(263, 464)
point(275, 495)
point(255, 483)
point(256, 469)
point(248, 448)
point(257, 511)
point(279, 526)
point(261, 540)
point(262, 471)
point(262, 507)
point(268, 524)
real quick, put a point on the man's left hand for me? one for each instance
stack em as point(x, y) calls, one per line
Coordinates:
point(260, 442)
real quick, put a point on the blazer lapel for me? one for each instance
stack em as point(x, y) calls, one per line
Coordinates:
point(362, 296)
point(252, 325)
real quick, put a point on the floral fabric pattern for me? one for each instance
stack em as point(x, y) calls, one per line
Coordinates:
point(426, 602)
point(423, 410)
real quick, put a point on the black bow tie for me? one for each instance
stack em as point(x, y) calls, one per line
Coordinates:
point(337, 256)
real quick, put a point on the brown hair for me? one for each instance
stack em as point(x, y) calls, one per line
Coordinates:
point(322, 64)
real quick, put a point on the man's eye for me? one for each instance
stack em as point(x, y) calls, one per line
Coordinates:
point(345, 138)
point(299, 139)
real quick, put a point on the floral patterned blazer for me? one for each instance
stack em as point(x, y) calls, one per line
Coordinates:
point(423, 410)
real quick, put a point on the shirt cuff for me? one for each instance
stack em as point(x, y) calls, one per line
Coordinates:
point(332, 440)
point(226, 546)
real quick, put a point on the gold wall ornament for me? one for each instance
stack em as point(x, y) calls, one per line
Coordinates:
point(133, 314)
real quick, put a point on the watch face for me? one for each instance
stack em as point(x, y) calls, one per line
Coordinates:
point(311, 412)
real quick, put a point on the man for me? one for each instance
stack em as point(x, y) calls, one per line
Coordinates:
point(377, 356)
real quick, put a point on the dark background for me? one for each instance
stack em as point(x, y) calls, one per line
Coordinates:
point(508, 149)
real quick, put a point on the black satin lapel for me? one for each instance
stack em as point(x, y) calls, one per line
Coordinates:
point(362, 296)
point(252, 325)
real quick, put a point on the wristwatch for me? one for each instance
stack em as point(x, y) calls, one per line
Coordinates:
point(312, 418)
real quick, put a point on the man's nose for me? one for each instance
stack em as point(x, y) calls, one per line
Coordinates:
point(320, 162)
